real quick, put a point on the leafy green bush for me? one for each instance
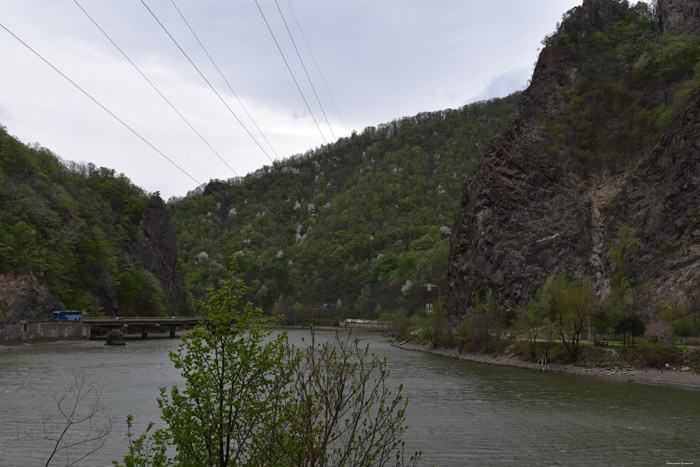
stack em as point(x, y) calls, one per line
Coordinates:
point(654, 355)
point(694, 359)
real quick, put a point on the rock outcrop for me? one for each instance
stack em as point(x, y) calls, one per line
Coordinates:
point(26, 296)
point(114, 337)
point(678, 16)
point(529, 212)
point(660, 202)
point(155, 246)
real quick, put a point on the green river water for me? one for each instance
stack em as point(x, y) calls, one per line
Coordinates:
point(460, 413)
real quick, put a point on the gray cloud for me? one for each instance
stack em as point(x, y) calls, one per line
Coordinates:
point(382, 60)
point(504, 84)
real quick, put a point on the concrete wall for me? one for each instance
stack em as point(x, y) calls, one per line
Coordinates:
point(26, 331)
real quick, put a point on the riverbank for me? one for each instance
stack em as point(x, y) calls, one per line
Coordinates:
point(667, 378)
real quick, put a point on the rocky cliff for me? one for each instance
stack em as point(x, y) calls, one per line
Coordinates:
point(26, 296)
point(678, 15)
point(586, 154)
point(80, 237)
point(155, 246)
point(660, 202)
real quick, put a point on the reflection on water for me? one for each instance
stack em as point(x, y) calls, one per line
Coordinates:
point(459, 413)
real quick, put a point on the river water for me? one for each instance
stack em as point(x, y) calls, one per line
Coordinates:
point(460, 413)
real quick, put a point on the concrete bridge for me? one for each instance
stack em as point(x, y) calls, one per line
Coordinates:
point(145, 324)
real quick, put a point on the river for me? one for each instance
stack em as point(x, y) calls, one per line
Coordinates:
point(460, 413)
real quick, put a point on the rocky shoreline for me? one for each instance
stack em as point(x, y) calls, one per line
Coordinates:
point(668, 378)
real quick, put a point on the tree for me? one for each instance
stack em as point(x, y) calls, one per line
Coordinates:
point(630, 326)
point(235, 381)
point(80, 428)
point(530, 318)
point(560, 309)
point(342, 411)
point(252, 399)
point(573, 305)
point(620, 256)
point(483, 320)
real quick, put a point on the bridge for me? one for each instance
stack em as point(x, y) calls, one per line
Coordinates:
point(145, 324)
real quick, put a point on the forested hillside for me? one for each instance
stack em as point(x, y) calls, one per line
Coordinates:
point(71, 236)
point(355, 227)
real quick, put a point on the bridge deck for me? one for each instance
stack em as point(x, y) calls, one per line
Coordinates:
point(180, 321)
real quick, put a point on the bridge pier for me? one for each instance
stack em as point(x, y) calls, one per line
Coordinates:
point(157, 324)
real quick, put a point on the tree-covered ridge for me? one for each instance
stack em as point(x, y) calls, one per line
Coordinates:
point(74, 225)
point(362, 222)
point(630, 80)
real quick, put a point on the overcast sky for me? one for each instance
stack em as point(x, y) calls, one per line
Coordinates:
point(381, 60)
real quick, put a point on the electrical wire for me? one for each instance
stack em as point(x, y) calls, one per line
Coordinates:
point(224, 78)
point(154, 87)
point(317, 67)
point(304, 67)
point(206, 80)
point(290, 71)
point(99, 104)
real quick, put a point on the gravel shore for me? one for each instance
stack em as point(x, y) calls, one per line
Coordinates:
point(668, 378)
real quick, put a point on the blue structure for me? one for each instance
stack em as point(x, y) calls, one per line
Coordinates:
point(67, 315)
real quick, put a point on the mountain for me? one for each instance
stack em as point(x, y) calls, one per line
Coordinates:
point(592, 172)
point(81, 237)
point(598, 174)
point(358, 225)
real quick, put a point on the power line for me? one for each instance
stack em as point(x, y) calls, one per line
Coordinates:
point(317, 67)
point(99, 104)
point(304, 67)
point(154, 87)
point(290, 71)
point(224, 78)
point(206, 80)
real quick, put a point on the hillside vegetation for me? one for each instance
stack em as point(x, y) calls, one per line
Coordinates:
point(66, 236)
point(354, 227)
point(590, 177)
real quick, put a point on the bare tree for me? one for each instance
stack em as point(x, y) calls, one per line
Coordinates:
point(343, 411)
point(77, 425)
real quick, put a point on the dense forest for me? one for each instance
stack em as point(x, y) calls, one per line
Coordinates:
point(73, 226)
point(631, 80)
point(351, 228)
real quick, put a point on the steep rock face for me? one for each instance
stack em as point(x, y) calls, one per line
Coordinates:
point(524, 213)
point(103, 289)
point(678, 15)
point(156, 248)
point(26, 296)
point(660, 202)
point(529, 211)
point(520, 220)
